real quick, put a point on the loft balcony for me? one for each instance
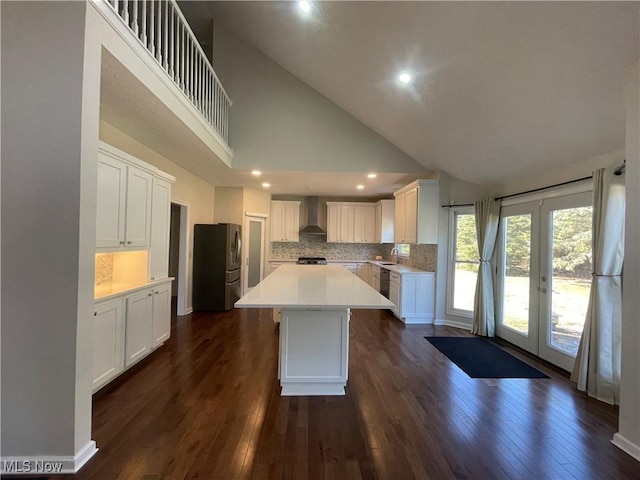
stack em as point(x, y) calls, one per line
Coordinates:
point(157, 78)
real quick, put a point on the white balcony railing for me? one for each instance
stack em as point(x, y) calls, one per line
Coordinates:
point(164, 32)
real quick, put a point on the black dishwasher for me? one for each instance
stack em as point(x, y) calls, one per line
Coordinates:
point(384, 282)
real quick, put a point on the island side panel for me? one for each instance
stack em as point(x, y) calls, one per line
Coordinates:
point(314, 351)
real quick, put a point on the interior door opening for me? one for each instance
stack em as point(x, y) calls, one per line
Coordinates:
point(179, 257)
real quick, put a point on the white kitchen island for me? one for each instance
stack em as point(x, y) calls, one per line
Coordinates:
point(314, 330)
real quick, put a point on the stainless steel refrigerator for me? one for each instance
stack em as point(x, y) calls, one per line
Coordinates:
point(216, 266)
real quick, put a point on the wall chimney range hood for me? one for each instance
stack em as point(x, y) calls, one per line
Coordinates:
point(313, 209)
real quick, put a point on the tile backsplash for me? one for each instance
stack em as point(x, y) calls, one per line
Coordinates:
point(104, 268)
point(317, 246)
point(422, 256)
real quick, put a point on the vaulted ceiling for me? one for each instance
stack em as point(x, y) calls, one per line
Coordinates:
point(499, 88)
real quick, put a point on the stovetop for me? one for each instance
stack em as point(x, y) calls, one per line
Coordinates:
point(311, 261)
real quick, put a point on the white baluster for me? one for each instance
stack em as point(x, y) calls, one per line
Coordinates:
point(172, 36)
point(144, 22)
point(182, 56)
point(152, 17)
point(217, 122)
point(135, 17)
point(209, 95)
point(159, 33)
point(115, 6)
point(125, 11)
point(166, 36)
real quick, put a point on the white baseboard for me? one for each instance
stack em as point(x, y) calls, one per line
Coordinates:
point(626, 446)
point(189, 310)
point(452, 323)
point(54, 464)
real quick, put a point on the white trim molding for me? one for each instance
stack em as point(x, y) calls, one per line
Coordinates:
point(626, 446)
point(53, 464)
point(452, 323)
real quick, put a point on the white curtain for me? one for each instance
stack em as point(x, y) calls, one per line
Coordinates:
point(487, 219)
point(597, 366)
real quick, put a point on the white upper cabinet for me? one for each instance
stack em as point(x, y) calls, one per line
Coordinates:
point(416, 212)
point(285, 221)
point(124, 193)
point(112, 195)
point(364, 220)
point(384, 221)
point(160, 219)
point(138, 207)
point(351, 222)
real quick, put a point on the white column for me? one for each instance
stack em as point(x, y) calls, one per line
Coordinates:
point(628, 436)
point(47, 237)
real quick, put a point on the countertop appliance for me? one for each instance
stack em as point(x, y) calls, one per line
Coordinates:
point(216, 266)
point(384, 282)
point(311, 261)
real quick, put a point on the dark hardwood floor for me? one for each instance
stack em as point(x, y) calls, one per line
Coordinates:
point(207, 406)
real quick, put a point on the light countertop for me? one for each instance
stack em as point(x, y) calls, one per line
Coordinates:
point(313, 286)
point(393, 267)
point(111, 290)
point(396, 267)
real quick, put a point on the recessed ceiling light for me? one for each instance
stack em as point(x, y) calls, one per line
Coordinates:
point(304, 6)
point(404, 77)
point(266, 185)
point(360, 187)
point(372, 175)
point(256, 173)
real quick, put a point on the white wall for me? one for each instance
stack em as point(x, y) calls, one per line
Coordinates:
point(188, 189)
point(280, 123)
point(628, 436)
point(50, 101)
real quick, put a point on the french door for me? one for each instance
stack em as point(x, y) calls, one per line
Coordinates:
point(544, 275)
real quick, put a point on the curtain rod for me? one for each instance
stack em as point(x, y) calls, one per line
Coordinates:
point(618, 171)
point(525, 192)
point(545, 188)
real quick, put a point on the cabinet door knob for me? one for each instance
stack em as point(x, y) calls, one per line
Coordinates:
point(157, 292)
point(129, 242)
point(149, 294)
point(95, 314)
point(121, 242)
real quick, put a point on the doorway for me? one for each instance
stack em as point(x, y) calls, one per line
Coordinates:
point(544, 275)
point(179, 257)
point(254, 228)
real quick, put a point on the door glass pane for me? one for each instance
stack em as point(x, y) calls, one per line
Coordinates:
point(255, 242)
point(571, 281)
point(517, 251)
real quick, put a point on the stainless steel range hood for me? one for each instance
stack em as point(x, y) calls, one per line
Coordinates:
point(313, 209)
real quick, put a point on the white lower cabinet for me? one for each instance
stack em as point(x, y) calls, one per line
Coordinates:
point(374, 277)
point(127, 328)
point(108, 342)
point(139, 324)
point(161, 314)
point(413, 296)
point(363, 271)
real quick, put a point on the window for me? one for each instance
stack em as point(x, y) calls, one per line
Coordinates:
point(404, 249)
point(464, 261)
